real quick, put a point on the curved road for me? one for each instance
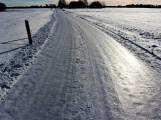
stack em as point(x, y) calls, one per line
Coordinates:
point(82, 73)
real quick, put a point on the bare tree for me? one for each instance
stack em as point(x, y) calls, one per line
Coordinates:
point(51, 6)
point(62, 3)
point(85, 3)
point(2, 7)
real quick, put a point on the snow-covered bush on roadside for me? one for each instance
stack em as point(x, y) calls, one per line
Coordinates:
point(2, 7)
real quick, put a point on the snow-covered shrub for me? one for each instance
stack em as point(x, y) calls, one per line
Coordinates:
point(2, 7)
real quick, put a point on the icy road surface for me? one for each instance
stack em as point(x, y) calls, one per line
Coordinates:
point(82, 73)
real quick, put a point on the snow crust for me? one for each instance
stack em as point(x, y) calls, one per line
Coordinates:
point(140, 26)
point(12, 27)
point(16, 57)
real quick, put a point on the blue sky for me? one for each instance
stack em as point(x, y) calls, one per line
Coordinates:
point(28, 2)
point(108, 2)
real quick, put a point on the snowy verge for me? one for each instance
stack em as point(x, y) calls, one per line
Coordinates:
point(118, 24)
point(12, 24)
point(12, 71)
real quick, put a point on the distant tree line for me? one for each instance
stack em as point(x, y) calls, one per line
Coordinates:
point(79, 4)
point(46, 6)
point(61, 4)
point(138, 6)
point(35, 6)
point(143, 6)
point(76, 4)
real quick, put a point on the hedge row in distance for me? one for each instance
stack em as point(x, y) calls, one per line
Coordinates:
point(2, 7)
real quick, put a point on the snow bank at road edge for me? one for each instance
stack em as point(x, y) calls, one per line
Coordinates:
point(12, 71)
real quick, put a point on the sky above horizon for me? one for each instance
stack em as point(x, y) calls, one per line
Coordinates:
point(11, 3)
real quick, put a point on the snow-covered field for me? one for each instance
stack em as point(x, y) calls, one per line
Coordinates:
point(12, 27)
point(16, 57)
point(139, 26)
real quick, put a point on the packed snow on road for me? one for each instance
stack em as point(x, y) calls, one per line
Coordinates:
point(85, 64)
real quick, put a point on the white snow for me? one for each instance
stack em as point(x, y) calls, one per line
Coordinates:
point(12, 27)
point(141, 26)
point(80, 73)
point(16, 57)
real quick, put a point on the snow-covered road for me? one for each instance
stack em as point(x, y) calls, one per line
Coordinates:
point(82, 73)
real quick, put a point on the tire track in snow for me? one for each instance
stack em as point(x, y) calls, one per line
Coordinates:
point(102, 98)
point(122, 72)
